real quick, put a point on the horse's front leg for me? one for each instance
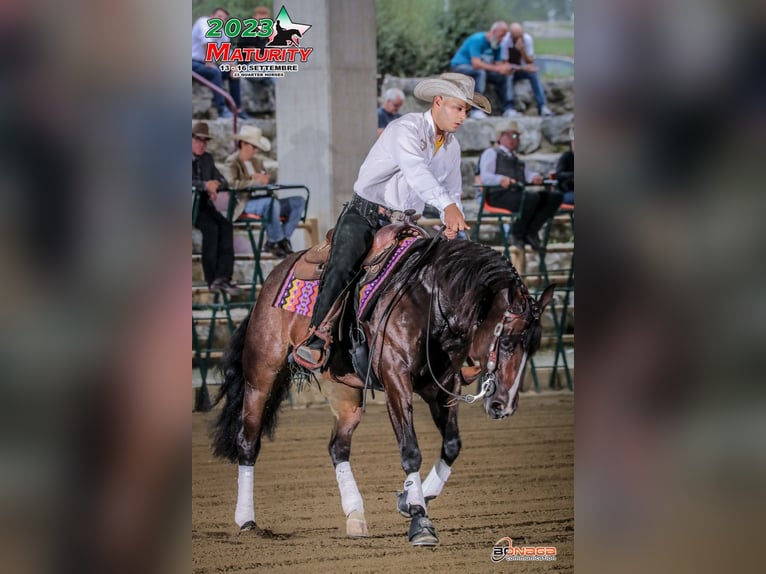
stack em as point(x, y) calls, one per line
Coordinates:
point(445, 418)
point(399, 403)
point(346, 406)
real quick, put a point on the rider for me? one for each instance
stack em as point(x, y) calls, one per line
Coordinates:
point(415, 161)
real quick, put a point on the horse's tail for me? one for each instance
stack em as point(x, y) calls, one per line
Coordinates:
point(229, 421)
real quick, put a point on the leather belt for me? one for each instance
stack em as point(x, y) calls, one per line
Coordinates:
point(371, 209)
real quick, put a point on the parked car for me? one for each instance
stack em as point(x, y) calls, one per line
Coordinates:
point(555, 66)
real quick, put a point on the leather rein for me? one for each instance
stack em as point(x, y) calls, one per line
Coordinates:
point(489, 383)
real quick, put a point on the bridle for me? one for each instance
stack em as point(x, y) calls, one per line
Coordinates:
point(489, 382)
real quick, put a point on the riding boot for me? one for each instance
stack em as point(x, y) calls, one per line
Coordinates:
point(314, 352)
point(351, 240)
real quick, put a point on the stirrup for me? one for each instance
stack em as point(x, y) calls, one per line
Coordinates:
point(311, 362)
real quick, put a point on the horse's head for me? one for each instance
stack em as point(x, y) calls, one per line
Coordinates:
point(502, 343)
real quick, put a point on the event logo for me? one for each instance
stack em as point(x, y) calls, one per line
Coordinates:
point(265, 48)
point(500, 552)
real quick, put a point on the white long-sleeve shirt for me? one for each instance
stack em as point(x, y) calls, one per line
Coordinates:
point(488, 166)
point(507, 42)
point(200, 42)
point(401, 171)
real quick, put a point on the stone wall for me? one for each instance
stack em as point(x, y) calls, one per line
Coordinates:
point(542, 139)
point(559, 95)
point(257, 99)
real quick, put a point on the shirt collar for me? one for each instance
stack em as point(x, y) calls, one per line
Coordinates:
point(431, 129)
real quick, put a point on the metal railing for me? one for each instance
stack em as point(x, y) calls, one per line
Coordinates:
point(226, 96)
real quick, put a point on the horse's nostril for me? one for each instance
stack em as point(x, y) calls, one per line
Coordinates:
point(497, 406)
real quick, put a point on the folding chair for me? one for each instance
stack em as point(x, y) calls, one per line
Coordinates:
point(502, 217)
point(258, 224)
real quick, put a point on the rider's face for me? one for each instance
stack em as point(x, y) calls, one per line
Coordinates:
point(449, 113)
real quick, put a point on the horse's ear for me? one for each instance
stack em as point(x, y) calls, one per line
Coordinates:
point(546, 297)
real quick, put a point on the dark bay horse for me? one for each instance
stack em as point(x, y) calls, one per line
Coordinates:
point(450, 303)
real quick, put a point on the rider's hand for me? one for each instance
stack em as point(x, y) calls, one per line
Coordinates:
point(453, 221)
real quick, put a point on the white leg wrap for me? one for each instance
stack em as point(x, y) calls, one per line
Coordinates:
point(414, 490)
point(245, 511)
point(350, 498)
point(436, 479)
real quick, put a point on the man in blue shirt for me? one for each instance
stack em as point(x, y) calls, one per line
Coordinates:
point(479, 58)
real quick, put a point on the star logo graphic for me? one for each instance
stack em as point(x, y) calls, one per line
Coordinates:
point(287, 32)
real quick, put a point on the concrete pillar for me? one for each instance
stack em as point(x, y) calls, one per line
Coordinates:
point(326, 112)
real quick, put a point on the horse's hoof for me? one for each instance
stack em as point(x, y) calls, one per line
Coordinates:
point(356, 525)
point(250, 525)
point(422, 532)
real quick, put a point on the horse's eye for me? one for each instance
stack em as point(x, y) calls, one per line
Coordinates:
point(506, 343)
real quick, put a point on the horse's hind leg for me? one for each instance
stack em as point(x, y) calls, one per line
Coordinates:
point(264, 391)
point(346, 406)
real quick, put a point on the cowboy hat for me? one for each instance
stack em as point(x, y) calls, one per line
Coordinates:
point(201, 131)
point(512, 127)
point(452, 85)
point(253, 136)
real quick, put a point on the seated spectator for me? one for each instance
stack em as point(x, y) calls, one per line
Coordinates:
point(479, 57)
point(259, 13)
point(565, 172)
point(217, 232)
point(389, 108)
point(500, 166)
point(210, 70)
point(245, 170)
point(517, 49)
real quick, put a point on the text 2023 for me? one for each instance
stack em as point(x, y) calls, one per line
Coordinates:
point(234, 27)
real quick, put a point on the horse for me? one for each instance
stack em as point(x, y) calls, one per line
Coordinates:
point(451, 313)
point(285, 37)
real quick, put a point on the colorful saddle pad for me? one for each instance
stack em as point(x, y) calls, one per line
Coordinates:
point(300, 295)
point(297, 295)
point(368, 291)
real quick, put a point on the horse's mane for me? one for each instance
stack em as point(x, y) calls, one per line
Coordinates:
point(465, 277)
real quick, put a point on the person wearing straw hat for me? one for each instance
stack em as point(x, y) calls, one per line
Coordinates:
point(244, 169)
point(217, 232)
point(416, 160)
point(506, 174)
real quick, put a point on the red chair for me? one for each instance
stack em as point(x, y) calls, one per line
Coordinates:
point(503, 217)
